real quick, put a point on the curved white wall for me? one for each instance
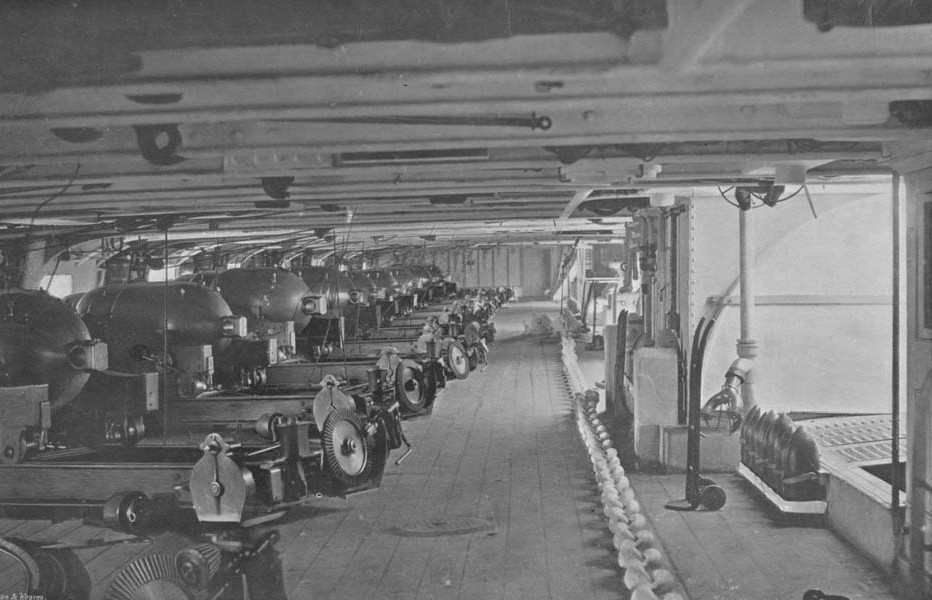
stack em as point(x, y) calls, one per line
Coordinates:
point(824, 289)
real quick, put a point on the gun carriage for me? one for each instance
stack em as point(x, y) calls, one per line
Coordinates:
point(116, 418)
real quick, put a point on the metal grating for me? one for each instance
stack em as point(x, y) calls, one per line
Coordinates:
point(869, 452)
point(856, 439)
point(443, 526)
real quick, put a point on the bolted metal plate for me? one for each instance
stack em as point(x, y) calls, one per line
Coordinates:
point(442, 526)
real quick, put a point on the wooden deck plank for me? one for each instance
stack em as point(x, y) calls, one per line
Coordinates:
point(743, 552)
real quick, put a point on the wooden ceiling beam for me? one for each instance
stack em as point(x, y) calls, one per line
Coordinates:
point(849, 115)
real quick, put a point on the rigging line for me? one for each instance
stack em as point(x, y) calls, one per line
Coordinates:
point(64, 188)
point(349, 230)
point(785, 198)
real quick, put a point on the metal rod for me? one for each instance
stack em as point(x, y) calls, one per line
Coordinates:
point(895, 383)
point(673, 245)
point(594, 308)
point(532, 121)
point(264, 450)
point(564, 277)
point(648, 289)
point(165, 341)
point(747, 345)
point(745, 274)
point(402, 458)
point(811, 204)
point(917, 497)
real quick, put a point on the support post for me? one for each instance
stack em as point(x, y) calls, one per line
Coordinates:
point(917, 495)
point(747, 346)
point(895, 382)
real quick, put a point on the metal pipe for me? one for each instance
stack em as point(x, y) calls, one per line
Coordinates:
point(918, 490)
point(895, 383)
point(673, 246)
point(165, 340)
point(746, 345)
point(647, 283)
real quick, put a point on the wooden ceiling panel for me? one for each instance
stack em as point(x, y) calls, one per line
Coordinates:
point(454, 129)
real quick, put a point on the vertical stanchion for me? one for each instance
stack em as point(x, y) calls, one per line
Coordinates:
point(165, 343)
point(747, 346)
point(895, 383)
point(918, 491)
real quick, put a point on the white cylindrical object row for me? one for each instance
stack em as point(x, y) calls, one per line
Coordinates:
point(645, 575)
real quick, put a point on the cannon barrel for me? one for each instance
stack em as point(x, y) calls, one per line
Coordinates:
point(340, 288)
point(131, 319)
point(264, 293)
point(383, 279)
point(44, 341)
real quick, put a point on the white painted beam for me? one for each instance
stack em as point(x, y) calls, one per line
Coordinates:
point(695, 25)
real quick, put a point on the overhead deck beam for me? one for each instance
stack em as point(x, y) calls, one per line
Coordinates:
point(695, 26)
point(848, 116)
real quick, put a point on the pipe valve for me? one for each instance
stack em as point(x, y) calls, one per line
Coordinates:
point(727, 401)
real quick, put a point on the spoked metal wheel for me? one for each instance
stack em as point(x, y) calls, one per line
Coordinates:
point(410, 390)
point(21, 570)
point(345, 447)
point(457, 360)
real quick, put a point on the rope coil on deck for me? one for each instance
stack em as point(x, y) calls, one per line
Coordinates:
point(646, 576)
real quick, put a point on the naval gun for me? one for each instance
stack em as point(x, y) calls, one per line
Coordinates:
point(276, 303)
point(352, 302)
point(84, 422)
point(86, 430)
